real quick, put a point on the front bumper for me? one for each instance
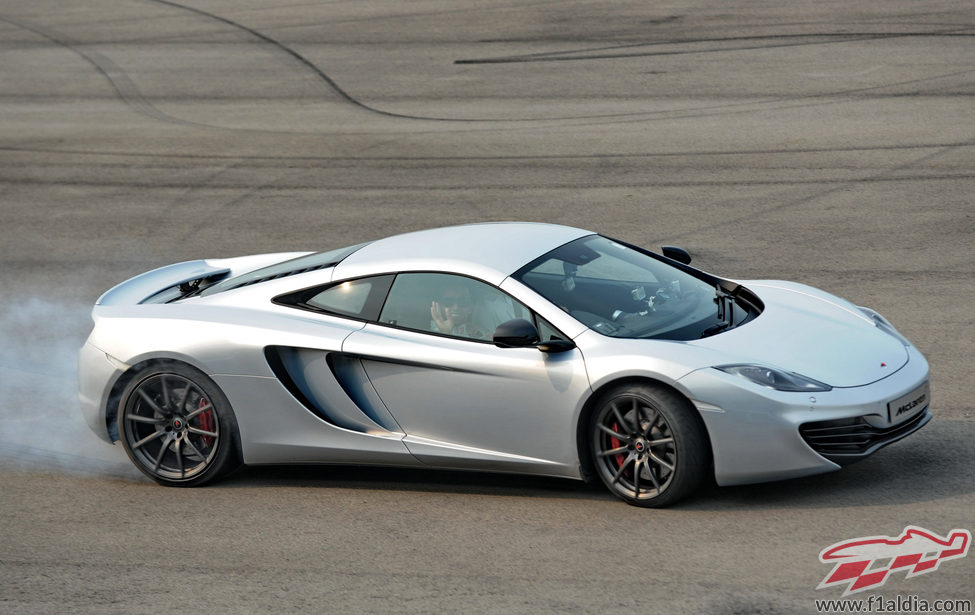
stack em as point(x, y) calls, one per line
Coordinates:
point(757, 433)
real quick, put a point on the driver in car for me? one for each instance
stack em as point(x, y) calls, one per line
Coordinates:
point(452, 314)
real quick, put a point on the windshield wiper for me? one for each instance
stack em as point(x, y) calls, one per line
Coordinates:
point(726, 312)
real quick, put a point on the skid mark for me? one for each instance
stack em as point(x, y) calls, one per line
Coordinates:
point(760, 43)
point(314, 161)
point(124, 87)
point(307, 63)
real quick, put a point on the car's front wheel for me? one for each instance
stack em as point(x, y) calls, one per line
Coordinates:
point(177, 427)
point(648, 445)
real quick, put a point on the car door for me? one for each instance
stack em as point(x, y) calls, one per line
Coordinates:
point(461, 400)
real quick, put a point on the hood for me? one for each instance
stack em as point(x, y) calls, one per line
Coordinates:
point(812, 333)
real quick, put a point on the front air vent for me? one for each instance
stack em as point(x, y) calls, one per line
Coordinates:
point(844, 441)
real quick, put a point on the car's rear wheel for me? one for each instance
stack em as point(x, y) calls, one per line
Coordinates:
point(177, 427)
point(648, 445)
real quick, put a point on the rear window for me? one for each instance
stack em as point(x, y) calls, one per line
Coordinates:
point(360, 299)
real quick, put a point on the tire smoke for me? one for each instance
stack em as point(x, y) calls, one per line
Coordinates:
point(41, 427)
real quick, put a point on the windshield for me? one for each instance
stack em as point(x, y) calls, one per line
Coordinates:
point(621, 292)
point(309, 262)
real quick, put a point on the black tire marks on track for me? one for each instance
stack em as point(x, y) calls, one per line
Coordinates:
point(316, 160)
point(130, 94)
point(584, 183)
point(123, 85)
point(314, 67)
point(635, 116)
point(794, 40)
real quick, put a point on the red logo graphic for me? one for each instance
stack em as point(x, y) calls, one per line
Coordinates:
point(864, 563)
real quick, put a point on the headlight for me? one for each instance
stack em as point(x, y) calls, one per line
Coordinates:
point(884, 325)
point(775, 378)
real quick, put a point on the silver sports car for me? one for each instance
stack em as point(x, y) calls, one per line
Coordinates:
point(507, 347)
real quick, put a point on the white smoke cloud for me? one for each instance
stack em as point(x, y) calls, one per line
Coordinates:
point(41, 427)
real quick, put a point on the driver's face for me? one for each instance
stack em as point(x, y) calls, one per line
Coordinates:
point(457, 305)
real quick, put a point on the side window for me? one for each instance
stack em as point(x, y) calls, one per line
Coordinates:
point(449, 305)
point(346, 298)
point(360, 298)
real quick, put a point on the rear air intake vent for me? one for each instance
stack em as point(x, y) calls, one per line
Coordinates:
point(284, 274)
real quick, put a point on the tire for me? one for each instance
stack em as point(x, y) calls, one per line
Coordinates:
point(177, 426)
point(648, 445)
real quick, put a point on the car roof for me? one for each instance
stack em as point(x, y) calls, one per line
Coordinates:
point(490, 251)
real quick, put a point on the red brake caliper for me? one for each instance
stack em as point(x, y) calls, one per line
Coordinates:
point(206, 422)
point(615, 442)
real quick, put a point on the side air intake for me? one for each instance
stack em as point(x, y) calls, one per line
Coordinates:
point(338, 396)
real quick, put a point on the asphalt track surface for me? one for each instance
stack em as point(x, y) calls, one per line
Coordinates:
point(831, 143)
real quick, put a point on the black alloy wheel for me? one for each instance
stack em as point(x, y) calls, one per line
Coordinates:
point(648, 445)
point(177, 426)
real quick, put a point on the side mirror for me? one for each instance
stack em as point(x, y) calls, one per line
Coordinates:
point(520, 333)
point(678, 254)
point(517, 333)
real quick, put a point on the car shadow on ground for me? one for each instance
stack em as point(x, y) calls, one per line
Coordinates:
point(412, 479)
